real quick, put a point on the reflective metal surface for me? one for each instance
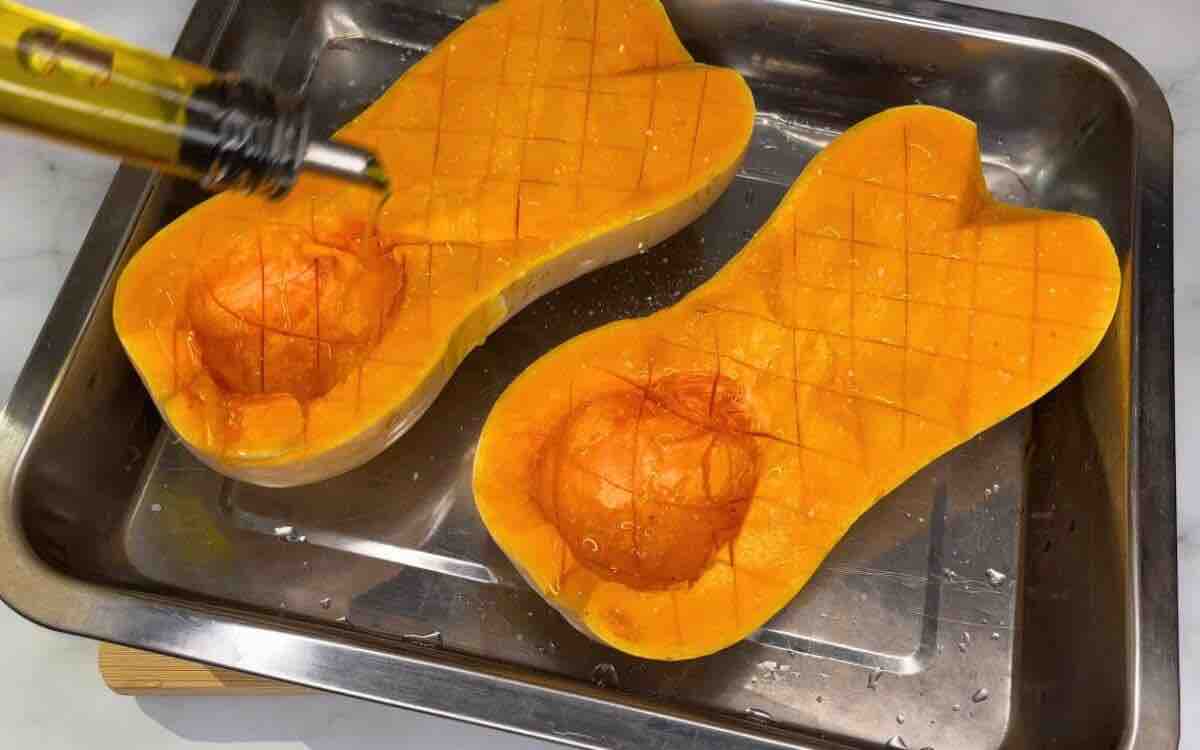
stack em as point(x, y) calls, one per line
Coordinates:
point(344, 162)
point(1020, 592)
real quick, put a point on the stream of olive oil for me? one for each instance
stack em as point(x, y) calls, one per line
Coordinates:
point(373, 224)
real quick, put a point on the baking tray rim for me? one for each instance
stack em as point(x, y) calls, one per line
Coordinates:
point(471, 690)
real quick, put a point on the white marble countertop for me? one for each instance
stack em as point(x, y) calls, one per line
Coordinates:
point(51, 696)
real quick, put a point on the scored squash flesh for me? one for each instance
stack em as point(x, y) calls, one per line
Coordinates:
point(669, 483)
point(290, 342)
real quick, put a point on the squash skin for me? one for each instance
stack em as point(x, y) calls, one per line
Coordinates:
point(836, 426)
point(308, 409)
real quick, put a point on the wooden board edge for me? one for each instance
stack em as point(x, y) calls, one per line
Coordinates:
point(131, 671)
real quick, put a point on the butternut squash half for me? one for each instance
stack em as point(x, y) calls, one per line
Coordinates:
point(290, 342)
point(670, 483)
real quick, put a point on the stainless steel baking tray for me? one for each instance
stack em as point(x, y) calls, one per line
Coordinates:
point(1020, 592)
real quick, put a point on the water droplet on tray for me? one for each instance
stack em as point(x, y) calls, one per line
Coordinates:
point(758, 714)
point(980, 695)
point(896, 741)
point(289, 534)
point(956, 707)
point(820, 699)
point(155, 508)
point(605, 675)
point(873, 679)
point(433, 639)
point(326, 603)
point(995, 636)
point(899, 718)
point(995, 577)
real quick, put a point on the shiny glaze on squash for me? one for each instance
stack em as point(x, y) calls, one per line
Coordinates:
point(670, 483)
point(290, 342)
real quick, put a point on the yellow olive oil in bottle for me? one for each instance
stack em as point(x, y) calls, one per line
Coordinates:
point(64, 81)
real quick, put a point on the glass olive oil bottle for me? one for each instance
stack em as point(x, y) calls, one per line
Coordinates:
point(64, 81)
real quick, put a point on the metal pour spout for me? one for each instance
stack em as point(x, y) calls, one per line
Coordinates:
point(346, 163)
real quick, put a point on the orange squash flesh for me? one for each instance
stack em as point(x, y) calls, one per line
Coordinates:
point(290, 342)
point(670, 483)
